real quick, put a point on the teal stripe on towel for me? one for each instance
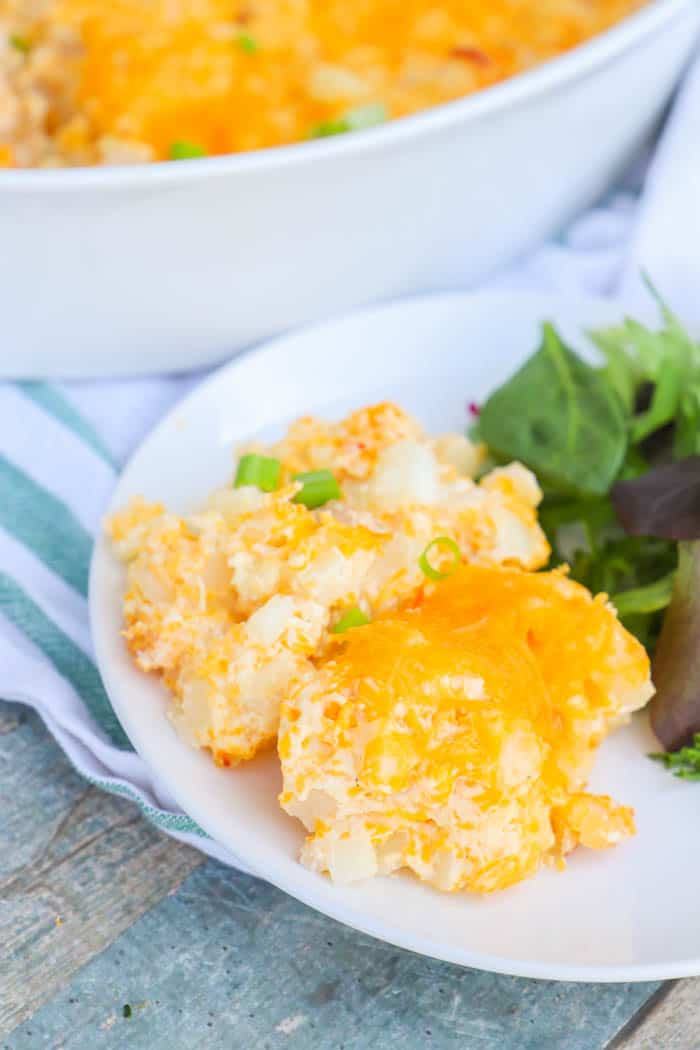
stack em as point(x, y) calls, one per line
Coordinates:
point(52, 401)
point(43, 523)
point(167, 821)
point(70, 661)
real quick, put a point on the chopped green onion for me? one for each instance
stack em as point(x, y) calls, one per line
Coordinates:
point(354, 120)
point(326, 128)
point(247, 43)
point(20, 43)
point(426, 567)
point(126, 1010)
point(186, 150)
point(318, 487)
point(352, 618)
point(261, 471)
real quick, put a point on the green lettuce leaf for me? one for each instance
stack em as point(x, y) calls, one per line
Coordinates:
point(561, 417)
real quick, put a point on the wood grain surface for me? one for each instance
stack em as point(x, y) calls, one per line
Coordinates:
point(76, 867)
point(113, 937)
point(670, 1020)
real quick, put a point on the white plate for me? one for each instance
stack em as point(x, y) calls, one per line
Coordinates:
point(628, 914)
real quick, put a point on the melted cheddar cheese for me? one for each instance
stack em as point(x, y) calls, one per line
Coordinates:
point(454, 733)
point(455, 737)
point(97, 82)
point(229, 605)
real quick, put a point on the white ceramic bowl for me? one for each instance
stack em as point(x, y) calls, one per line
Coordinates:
point(143, 268)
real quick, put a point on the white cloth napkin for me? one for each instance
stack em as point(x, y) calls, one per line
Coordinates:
point(61, 446)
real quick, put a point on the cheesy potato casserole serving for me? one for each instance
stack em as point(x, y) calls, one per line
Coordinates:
point(87, 82)
point(356, 598)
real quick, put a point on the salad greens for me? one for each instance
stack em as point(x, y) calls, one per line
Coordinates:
point(663, 502)
point(560, 416)
point(616, 447)
point(675, 709)
point(685, 762)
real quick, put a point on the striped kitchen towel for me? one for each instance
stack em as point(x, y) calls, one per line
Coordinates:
point(61, 447)
point(60, 451)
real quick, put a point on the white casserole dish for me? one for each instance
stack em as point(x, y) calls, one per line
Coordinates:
point(172, 266)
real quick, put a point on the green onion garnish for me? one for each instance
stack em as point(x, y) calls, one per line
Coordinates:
point(426, 567)
point(354, 120)
point(328, 128)
point(261, 471)
point(352, 618)
point(20, 43)
point(247, 43)
point(186, 150)
point(318, 487)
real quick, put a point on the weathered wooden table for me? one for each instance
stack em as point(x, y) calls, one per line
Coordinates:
point(114, 937)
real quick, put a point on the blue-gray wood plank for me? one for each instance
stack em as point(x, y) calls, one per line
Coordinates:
point(229, 962)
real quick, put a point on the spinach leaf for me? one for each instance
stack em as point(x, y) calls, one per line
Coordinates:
point(617, 449)
point(561, 417)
